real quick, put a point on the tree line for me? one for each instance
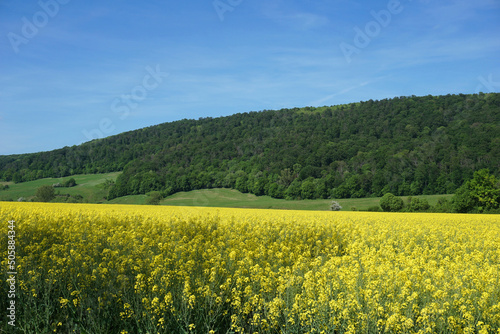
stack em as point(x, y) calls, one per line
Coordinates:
point(404, 146)
point(481, 194)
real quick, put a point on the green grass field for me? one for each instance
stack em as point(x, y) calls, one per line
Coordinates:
point(90, 187)
point(87, 186)
point(235, 199)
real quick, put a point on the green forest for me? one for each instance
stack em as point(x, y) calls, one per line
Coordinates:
point(405, 146)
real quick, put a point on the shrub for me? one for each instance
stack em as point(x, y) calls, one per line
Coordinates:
point(391, 203)
point(480, 194)
point(335, 206)
point(154, 198)
point(417, 204)
point(69, 183)
point(45, 193)
point(443, 205)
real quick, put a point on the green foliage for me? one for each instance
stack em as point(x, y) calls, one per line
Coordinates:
point(405, 146)
point(391, 203)
point(294, 191)
point(417, 204)
point(45, 193)
point(443, 205)
point(374, 208)
point(69, 183)
point(67, 198)
point(276, 191)
point(154, 198)
point(307, 189)
point(108, 184)
point(480, 194)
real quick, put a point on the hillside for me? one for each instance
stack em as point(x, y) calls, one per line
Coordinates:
point(91, 188)
point(407, 146)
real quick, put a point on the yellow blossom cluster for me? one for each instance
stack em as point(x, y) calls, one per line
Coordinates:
point(130, 269)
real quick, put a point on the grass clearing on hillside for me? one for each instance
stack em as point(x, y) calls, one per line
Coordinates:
point(87, 185)
point(220, 197)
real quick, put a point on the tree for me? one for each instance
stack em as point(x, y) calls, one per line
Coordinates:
point(293, 191)
point(335, 206)
point(259, 186)
point(341, 191)
point(45, 193)
point(241, 184)
point(416, 204)
point(391, 203)
point(405, 146)
point(69, 183)
point(276, 191)
point(154, 198)
point(481, 193)
point(321, 190)
point(307, 189)
point(286, 177)
point(443, 205)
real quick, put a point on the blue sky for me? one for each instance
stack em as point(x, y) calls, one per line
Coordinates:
point(73, 70)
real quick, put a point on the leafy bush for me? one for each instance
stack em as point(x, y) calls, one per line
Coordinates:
point(443, 205)
point(154, 198)
point(69, 183)
point(480, 194)
point(391, 203)
point(335, 206)
point(66, 184)
point(45, 193)
point(416, 204)
point(67, 198)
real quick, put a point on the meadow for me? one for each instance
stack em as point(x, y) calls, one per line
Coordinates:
point(91, 188)
point(88, 268)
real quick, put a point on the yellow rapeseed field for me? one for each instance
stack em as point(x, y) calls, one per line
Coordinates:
point(140, 269)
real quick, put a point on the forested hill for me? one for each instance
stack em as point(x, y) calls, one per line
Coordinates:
point(407, 146)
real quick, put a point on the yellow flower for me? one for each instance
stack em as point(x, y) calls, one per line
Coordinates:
point(63, 302)
point(265, 270)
